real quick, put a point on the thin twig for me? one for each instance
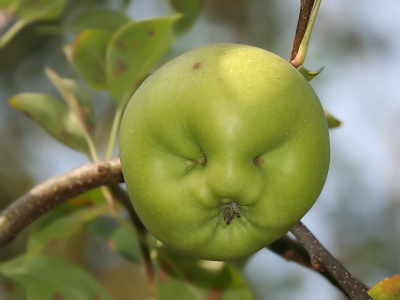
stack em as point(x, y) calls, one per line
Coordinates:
point(124, 199)
point(306, 7)
point(322, 261)
point(53, 192)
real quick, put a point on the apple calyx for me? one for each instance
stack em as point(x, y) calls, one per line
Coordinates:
point(230, 211)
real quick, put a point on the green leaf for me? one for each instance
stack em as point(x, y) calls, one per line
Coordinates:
point(191, 278)
point(14, 290)
point(387, 289)
point(63, 227)
point(133, 51)
point(45, 277)
point(103, 19)
point(66, 219)
point(308, 74)
point(31, 11)
point(88, 55)
point(40, 9)
point(77, 99)
point(54, 117)
point(332, 121)
point(190, 10)
point(124, 241)
point(121, 237)
point(6, 3)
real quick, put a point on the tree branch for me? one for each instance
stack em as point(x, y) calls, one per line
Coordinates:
point(322, 261)
point(292, 250)
point(53, 192)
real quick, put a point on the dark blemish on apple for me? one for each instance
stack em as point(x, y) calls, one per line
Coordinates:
point(230, 211)
point(152, 32)
point(196, 66)
point(257, 160)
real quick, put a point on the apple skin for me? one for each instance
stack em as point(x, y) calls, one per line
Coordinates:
point(223, 150)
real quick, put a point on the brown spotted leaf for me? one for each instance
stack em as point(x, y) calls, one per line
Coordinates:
point(45, 277)
point(387, 289)
point(54, 117)
point(133, 51)
point(88, 55)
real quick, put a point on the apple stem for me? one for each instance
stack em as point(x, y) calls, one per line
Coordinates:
point(305, 24)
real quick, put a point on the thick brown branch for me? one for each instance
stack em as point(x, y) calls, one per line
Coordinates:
point(322, 261)
point(53, 192)
point(306, 7)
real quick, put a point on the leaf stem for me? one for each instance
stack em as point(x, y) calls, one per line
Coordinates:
point(92, 148)
point(13, 31)
point(114, 131)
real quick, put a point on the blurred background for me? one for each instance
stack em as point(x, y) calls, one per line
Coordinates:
point(357, 216)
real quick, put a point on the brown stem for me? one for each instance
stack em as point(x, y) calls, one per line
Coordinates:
point(124, 199)
point(292, 250)
point(53, 192)
point(306, 7)
point(322, 261)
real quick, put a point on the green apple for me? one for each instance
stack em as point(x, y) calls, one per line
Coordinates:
point(223, 150)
